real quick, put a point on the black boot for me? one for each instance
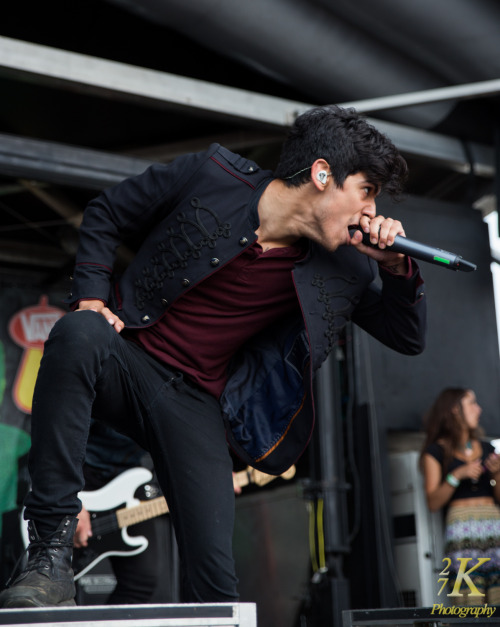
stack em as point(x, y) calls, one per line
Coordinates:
point(47, 579)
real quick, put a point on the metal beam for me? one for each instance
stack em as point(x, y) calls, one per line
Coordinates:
point(92, 169)
point(152, 88)
point(479, 89)
point(443, 150)
point(126, 82)
point(41, 256)
point(65, 165)
point(56, 200)
point(50, 65)
point(235, 141)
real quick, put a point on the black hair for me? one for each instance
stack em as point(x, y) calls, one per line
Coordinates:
point(348, 143)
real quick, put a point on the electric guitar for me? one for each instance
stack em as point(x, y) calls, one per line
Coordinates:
point(114, 508)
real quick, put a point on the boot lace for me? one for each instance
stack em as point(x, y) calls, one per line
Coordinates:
point(40, 554)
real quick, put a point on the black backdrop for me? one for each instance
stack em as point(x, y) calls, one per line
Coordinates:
point(393, 391)
point(462, 341)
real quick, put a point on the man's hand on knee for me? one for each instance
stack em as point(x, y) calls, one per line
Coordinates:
point(99, 307)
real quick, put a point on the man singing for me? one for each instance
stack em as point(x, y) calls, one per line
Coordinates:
point(238, 292)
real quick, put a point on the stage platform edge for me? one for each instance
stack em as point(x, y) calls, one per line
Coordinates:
point(421, 616)
point(160, 615)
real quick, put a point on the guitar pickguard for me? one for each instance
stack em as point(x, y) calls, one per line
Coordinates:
point(116, 494)
point(103, 503)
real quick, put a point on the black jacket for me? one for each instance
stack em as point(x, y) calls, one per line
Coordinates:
point(198, 214)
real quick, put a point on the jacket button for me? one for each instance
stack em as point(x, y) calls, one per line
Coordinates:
point(164, 302)
point(145, 318)
point(214, 262)
point(243, 241)
point(186, 282)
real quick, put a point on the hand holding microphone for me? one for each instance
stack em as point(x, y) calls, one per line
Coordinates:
point(437, 256)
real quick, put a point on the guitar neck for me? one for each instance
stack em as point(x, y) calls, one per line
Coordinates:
point(144, 511)
point(156, 507)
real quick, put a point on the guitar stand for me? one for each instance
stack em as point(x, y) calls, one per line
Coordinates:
point(199, 615)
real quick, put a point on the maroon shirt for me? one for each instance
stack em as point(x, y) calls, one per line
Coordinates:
point(205, 327)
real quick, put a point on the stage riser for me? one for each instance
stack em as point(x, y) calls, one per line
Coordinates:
point(182, 615)
point(423, 616)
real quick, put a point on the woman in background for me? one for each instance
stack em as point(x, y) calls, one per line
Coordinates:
point(462, 475)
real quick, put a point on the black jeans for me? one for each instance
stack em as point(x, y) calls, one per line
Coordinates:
point(90, 370)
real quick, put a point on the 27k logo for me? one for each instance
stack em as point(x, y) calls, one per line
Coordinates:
point(462, 575)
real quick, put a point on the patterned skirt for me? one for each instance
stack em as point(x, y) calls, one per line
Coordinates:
point(474, 532)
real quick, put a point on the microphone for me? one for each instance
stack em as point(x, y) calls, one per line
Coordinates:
point(417, 250)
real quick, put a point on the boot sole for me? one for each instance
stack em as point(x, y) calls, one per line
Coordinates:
point(13, 603)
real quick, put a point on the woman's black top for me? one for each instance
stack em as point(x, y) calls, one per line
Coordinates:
point(467, 488)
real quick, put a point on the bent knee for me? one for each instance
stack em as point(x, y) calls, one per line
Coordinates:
point(80, 328)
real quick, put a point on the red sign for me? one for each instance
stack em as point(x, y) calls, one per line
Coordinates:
point(29, 328)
